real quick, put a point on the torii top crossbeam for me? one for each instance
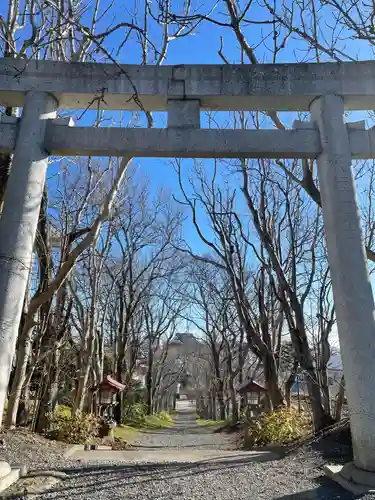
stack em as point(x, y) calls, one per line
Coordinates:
point(289, 87)
point(183, 91)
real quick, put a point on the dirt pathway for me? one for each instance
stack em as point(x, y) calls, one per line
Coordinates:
point(185, 434)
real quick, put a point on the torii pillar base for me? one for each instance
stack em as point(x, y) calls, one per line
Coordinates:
point(351, 478)
point(8, 475)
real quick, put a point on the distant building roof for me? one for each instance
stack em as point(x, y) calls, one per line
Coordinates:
point(186, 336)
point(175, 342)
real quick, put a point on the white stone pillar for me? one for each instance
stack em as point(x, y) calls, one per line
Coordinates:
point(18, 222)
point(350, 279)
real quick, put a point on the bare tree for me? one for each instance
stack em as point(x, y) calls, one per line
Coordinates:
point(85, 286)
point(269, 220)
point(162, 312)
point(230, 254)
point(57, 31)
point(213, 313)
point(72, 245)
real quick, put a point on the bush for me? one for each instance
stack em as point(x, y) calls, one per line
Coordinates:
point(280, 426)
point(135, 413)
point(63, 411)
point(244, 415)
point(78, 429)
point(165, 416)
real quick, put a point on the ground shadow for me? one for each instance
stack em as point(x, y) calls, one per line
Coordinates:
point(201, 446)
point(333, 444)
point(194, 429)
point(326, 489)
point(335, 448)
point(96, 478)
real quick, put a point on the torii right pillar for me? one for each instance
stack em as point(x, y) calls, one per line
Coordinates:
point(351, 286)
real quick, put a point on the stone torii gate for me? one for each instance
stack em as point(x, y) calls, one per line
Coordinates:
point(42, 87)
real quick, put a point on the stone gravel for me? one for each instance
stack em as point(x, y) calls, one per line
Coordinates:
point(36, 452)
point(297, 476)
point(290, 478)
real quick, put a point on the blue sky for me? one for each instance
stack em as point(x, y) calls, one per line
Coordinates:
point(202, 47)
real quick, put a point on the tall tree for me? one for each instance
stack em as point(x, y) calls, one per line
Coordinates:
point(230, 253)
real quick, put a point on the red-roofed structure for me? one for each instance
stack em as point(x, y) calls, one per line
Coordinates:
point(109, 383)
point(251, 386)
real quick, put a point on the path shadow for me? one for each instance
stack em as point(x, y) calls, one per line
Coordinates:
point(326, 489)
point(96, 478)
point(193, 429)
point(208, 446)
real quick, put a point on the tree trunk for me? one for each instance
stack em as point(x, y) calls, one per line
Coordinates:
point(214, 405)
point(321, 419)
point(271, 379)
point(233, 397)
point(149, 385)
point(23, 354)
point(289, 383)
point(26, 387)
point(242, 398)
point(50, 393)
point(80, 396)
point(210, 408)
point(340, 400)
point(219, 383)
point(118, 410)
point(54, 378)
point(325, 391)
point(84, 371)
point(220, 397)
point(98, 359)
point(315, 401)
point(149, 402)
point(120, 363)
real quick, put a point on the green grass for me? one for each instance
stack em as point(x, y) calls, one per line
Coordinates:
point(201, 421)
point(128, 431)
point(159, 421)
point(125, 432)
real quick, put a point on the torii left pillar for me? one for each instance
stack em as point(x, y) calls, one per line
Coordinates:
point(18, 224)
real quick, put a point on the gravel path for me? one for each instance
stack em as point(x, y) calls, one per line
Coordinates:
point(24, 447)
point(298, 476)
point(291, 478)
point(185, 434)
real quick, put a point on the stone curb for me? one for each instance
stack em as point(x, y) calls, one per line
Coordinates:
point(48, 473)
point(84, 447)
